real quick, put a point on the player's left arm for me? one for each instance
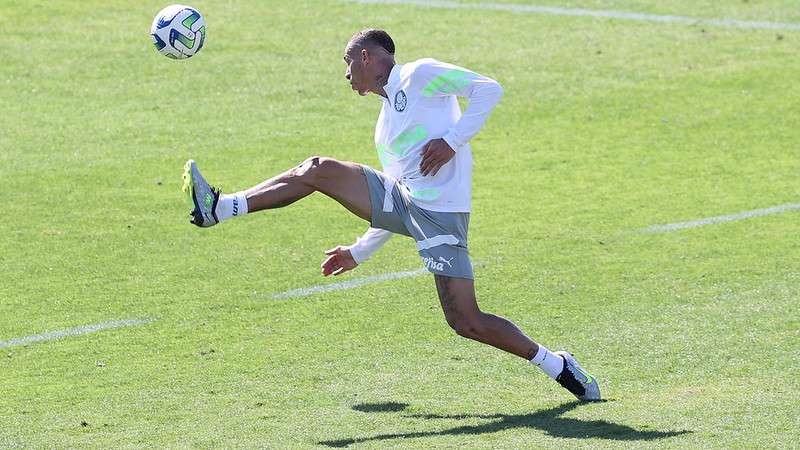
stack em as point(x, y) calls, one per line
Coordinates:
point(442, 79)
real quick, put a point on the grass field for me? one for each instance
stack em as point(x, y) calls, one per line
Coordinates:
point(607, 127)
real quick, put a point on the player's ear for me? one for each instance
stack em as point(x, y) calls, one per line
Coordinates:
point(364, 55)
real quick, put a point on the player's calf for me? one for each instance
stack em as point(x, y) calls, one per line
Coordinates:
point(470, 328)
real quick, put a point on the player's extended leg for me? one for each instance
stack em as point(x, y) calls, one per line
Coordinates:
point(457, 296)
point(343, 181)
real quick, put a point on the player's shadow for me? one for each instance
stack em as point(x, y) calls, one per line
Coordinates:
point(547, 420)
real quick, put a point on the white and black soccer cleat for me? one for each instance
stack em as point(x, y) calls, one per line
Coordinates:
point(203, 197)
point(576, 380)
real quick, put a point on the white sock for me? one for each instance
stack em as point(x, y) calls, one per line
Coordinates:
point(549, 362)
point(231, 205)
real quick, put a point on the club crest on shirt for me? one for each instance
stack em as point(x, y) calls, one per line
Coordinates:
point(400, 101)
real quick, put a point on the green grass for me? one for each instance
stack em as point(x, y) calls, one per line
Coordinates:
point(606, 127)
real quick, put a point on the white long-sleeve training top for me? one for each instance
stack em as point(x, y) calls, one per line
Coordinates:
point(421, 105)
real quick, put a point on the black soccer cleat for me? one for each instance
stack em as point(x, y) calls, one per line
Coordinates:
point(578, 381)
point(203, 197)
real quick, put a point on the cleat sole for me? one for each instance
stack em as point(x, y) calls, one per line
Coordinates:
point(187, 182)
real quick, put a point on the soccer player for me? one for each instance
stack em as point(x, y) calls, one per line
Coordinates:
point(423, 192)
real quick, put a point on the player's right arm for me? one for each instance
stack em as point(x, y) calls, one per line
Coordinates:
point(442, 79)
point(341, 259)
point(439, 79)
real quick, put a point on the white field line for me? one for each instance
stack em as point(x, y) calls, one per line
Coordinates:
point(349, 284)
point(52, 335)
point(720, 219)
point(608, 14)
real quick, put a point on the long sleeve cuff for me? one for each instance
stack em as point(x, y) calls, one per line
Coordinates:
point(368, 244)
point(452, 140)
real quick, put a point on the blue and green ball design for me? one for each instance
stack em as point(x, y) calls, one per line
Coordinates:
point(178, 31)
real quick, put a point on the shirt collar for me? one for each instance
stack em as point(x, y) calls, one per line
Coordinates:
point(393, 81)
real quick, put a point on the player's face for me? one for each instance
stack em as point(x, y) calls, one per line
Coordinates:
point(356, 71)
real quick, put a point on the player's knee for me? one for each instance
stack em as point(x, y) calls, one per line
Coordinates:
point(316, 169)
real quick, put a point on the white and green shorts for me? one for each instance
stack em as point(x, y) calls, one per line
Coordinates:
point(441, 236)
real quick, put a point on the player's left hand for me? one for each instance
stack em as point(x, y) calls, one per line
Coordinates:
point(435, 154)
point(339, 261)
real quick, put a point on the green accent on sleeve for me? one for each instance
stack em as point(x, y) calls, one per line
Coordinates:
point(426, 194)
point(447, 83)
point(402, 144)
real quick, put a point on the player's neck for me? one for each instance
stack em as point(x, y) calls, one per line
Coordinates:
point(383, 78)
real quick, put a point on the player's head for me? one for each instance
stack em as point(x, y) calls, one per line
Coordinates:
point(367, 55)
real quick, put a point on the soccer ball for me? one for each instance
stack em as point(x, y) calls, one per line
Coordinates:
point(178, 31)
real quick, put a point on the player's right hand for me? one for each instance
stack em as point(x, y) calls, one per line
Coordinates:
point(339, 261)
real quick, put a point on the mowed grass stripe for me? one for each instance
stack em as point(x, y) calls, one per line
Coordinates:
point(349, 284)
point(86, 329)
point(303, 292)
point(721, 219)
point(358, 282)
point(608, 14)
